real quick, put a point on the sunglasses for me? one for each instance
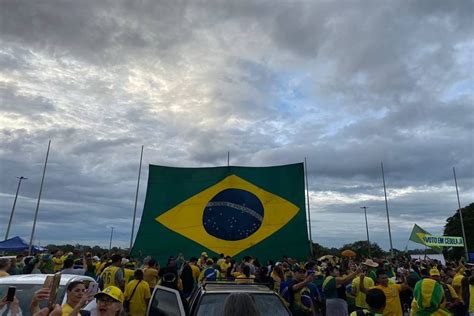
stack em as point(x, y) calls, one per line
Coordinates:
point(105, 299)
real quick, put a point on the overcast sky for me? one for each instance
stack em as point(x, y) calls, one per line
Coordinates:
point(347, 84)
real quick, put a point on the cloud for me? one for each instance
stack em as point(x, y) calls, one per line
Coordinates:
point(347, 85)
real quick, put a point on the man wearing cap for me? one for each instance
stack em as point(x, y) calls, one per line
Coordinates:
point(360, 297)
point(299, 294)
point(109, 301)
point(451, 298)
point(202, 260)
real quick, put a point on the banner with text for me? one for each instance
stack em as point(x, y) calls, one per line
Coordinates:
point(443, 241)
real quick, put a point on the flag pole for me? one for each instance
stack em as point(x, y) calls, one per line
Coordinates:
point(367, 227)
point(228, 158)
point(14, 204)
point(309, 211)
point(136, 200)
point(39, 199)
point(386, 208)
point(460, 216)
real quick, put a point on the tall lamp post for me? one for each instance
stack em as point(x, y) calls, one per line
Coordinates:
point(14, 204)
point(111, 236)
point(367, 227)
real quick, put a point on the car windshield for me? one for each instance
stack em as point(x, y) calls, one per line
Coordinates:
point(24, 293)
point(267, 304)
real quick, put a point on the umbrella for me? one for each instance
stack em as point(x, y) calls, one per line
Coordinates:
point(348, 253)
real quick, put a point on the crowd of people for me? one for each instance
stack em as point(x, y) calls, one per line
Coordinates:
point(332, 286)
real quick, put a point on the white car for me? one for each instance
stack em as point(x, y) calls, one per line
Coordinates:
point(27, 284)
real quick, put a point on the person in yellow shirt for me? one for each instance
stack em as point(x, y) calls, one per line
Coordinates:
point(113, 275)
point(58, 260)
point(225, 264)
point(150, 274)
point(471, 295)
point(128, 272)
point(451, 298)
point(76, 298)
point(360, 297)
point(245, 277)
point(393, 305)
point(194, 268)
point(109, 301)
point(202, 260)
point(5, 265)
point(138, 294)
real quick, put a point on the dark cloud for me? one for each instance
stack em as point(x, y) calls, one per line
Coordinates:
point(347, 85)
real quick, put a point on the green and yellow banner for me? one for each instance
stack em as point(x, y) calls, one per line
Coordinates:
point(443, 241)
point(421, 236)
point(257, 211)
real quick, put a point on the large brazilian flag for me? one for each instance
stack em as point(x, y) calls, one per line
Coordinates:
point(257, 211)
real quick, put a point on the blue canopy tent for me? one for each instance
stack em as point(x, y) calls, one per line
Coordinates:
point(17, 244)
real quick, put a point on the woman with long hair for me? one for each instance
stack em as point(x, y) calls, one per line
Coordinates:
point(237, 304)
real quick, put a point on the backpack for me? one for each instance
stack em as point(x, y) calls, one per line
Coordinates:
point(210, 274)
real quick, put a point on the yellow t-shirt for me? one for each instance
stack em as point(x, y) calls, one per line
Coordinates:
point(66, 309)
point(4, 274)
point(139, 301)
point(58, 263)
point(393, 306)
point(471, 298)
point(150, 275)
point(457, 285)
point(196, 271)
point(359, 295)
point(224, 266)
point(128, 275)
point(109, 276)
point(242, 278)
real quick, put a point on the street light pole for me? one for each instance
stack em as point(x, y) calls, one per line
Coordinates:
point(111, 236)
point(460, 216)
point(14, 204)
point(367, 227)
point(388, 216)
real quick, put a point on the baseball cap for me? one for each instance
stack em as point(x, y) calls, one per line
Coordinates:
point(113, 292)
point(434, 272)
point(204, 254)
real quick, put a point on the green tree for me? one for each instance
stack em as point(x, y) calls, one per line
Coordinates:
point(362, 250)
point(453, 228)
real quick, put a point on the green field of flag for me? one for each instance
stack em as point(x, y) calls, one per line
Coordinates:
point(257, 211)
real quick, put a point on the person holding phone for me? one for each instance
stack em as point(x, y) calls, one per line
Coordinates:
point(77, 297)
point(10, 306)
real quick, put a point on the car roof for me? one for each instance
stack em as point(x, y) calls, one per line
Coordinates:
point(226, 287)
point(40, 278)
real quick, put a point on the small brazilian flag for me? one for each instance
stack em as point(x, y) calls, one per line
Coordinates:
point(257, 211)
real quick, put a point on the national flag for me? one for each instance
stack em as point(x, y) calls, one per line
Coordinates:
point(417, 235)
point(258, 211)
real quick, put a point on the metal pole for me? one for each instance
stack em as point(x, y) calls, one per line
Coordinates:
point(136, 199)
point(228, 158)
point(386, 207)
point(39, 199)
point(460, 216)
point(111, 236)
point(367, 227)
point(13, 208)
point(309, 210)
